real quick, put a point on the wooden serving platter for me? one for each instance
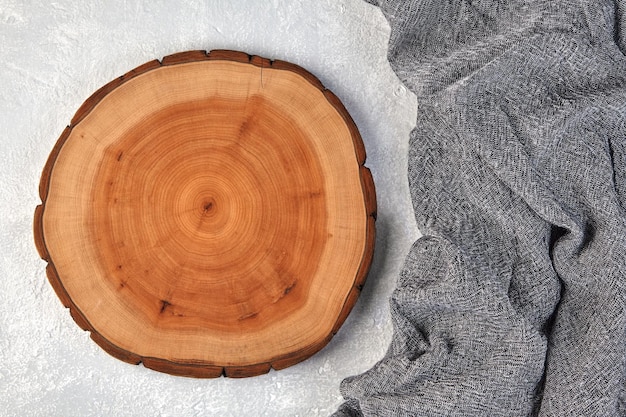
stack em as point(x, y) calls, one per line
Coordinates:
point(209, 214)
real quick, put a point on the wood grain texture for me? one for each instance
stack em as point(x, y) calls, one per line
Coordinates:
point(209, 214)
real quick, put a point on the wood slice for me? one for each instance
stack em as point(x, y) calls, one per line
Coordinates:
point(209, 214)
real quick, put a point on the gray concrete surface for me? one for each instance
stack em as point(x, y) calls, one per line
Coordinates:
point(53, 56)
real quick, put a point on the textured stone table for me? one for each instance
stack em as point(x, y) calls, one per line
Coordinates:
point(55, 57)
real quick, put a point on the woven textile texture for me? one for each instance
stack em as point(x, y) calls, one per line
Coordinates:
point(513, 302)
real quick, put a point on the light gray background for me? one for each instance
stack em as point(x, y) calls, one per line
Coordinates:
point(52, 57)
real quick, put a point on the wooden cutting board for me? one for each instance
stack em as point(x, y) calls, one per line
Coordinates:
point(209, 214)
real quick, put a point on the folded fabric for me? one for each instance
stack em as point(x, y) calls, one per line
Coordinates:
point(513, 303)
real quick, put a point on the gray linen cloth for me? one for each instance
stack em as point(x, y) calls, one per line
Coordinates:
point(513, 302)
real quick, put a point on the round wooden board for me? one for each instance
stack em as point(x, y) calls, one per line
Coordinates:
point(209, 214)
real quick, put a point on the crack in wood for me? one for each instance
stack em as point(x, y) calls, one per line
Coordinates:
point(289, 288)
point(164, 304)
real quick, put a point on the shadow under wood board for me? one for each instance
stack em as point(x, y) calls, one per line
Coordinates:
point(209, 214)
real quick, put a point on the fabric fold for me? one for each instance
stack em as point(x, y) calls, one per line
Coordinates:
point(513, 303)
